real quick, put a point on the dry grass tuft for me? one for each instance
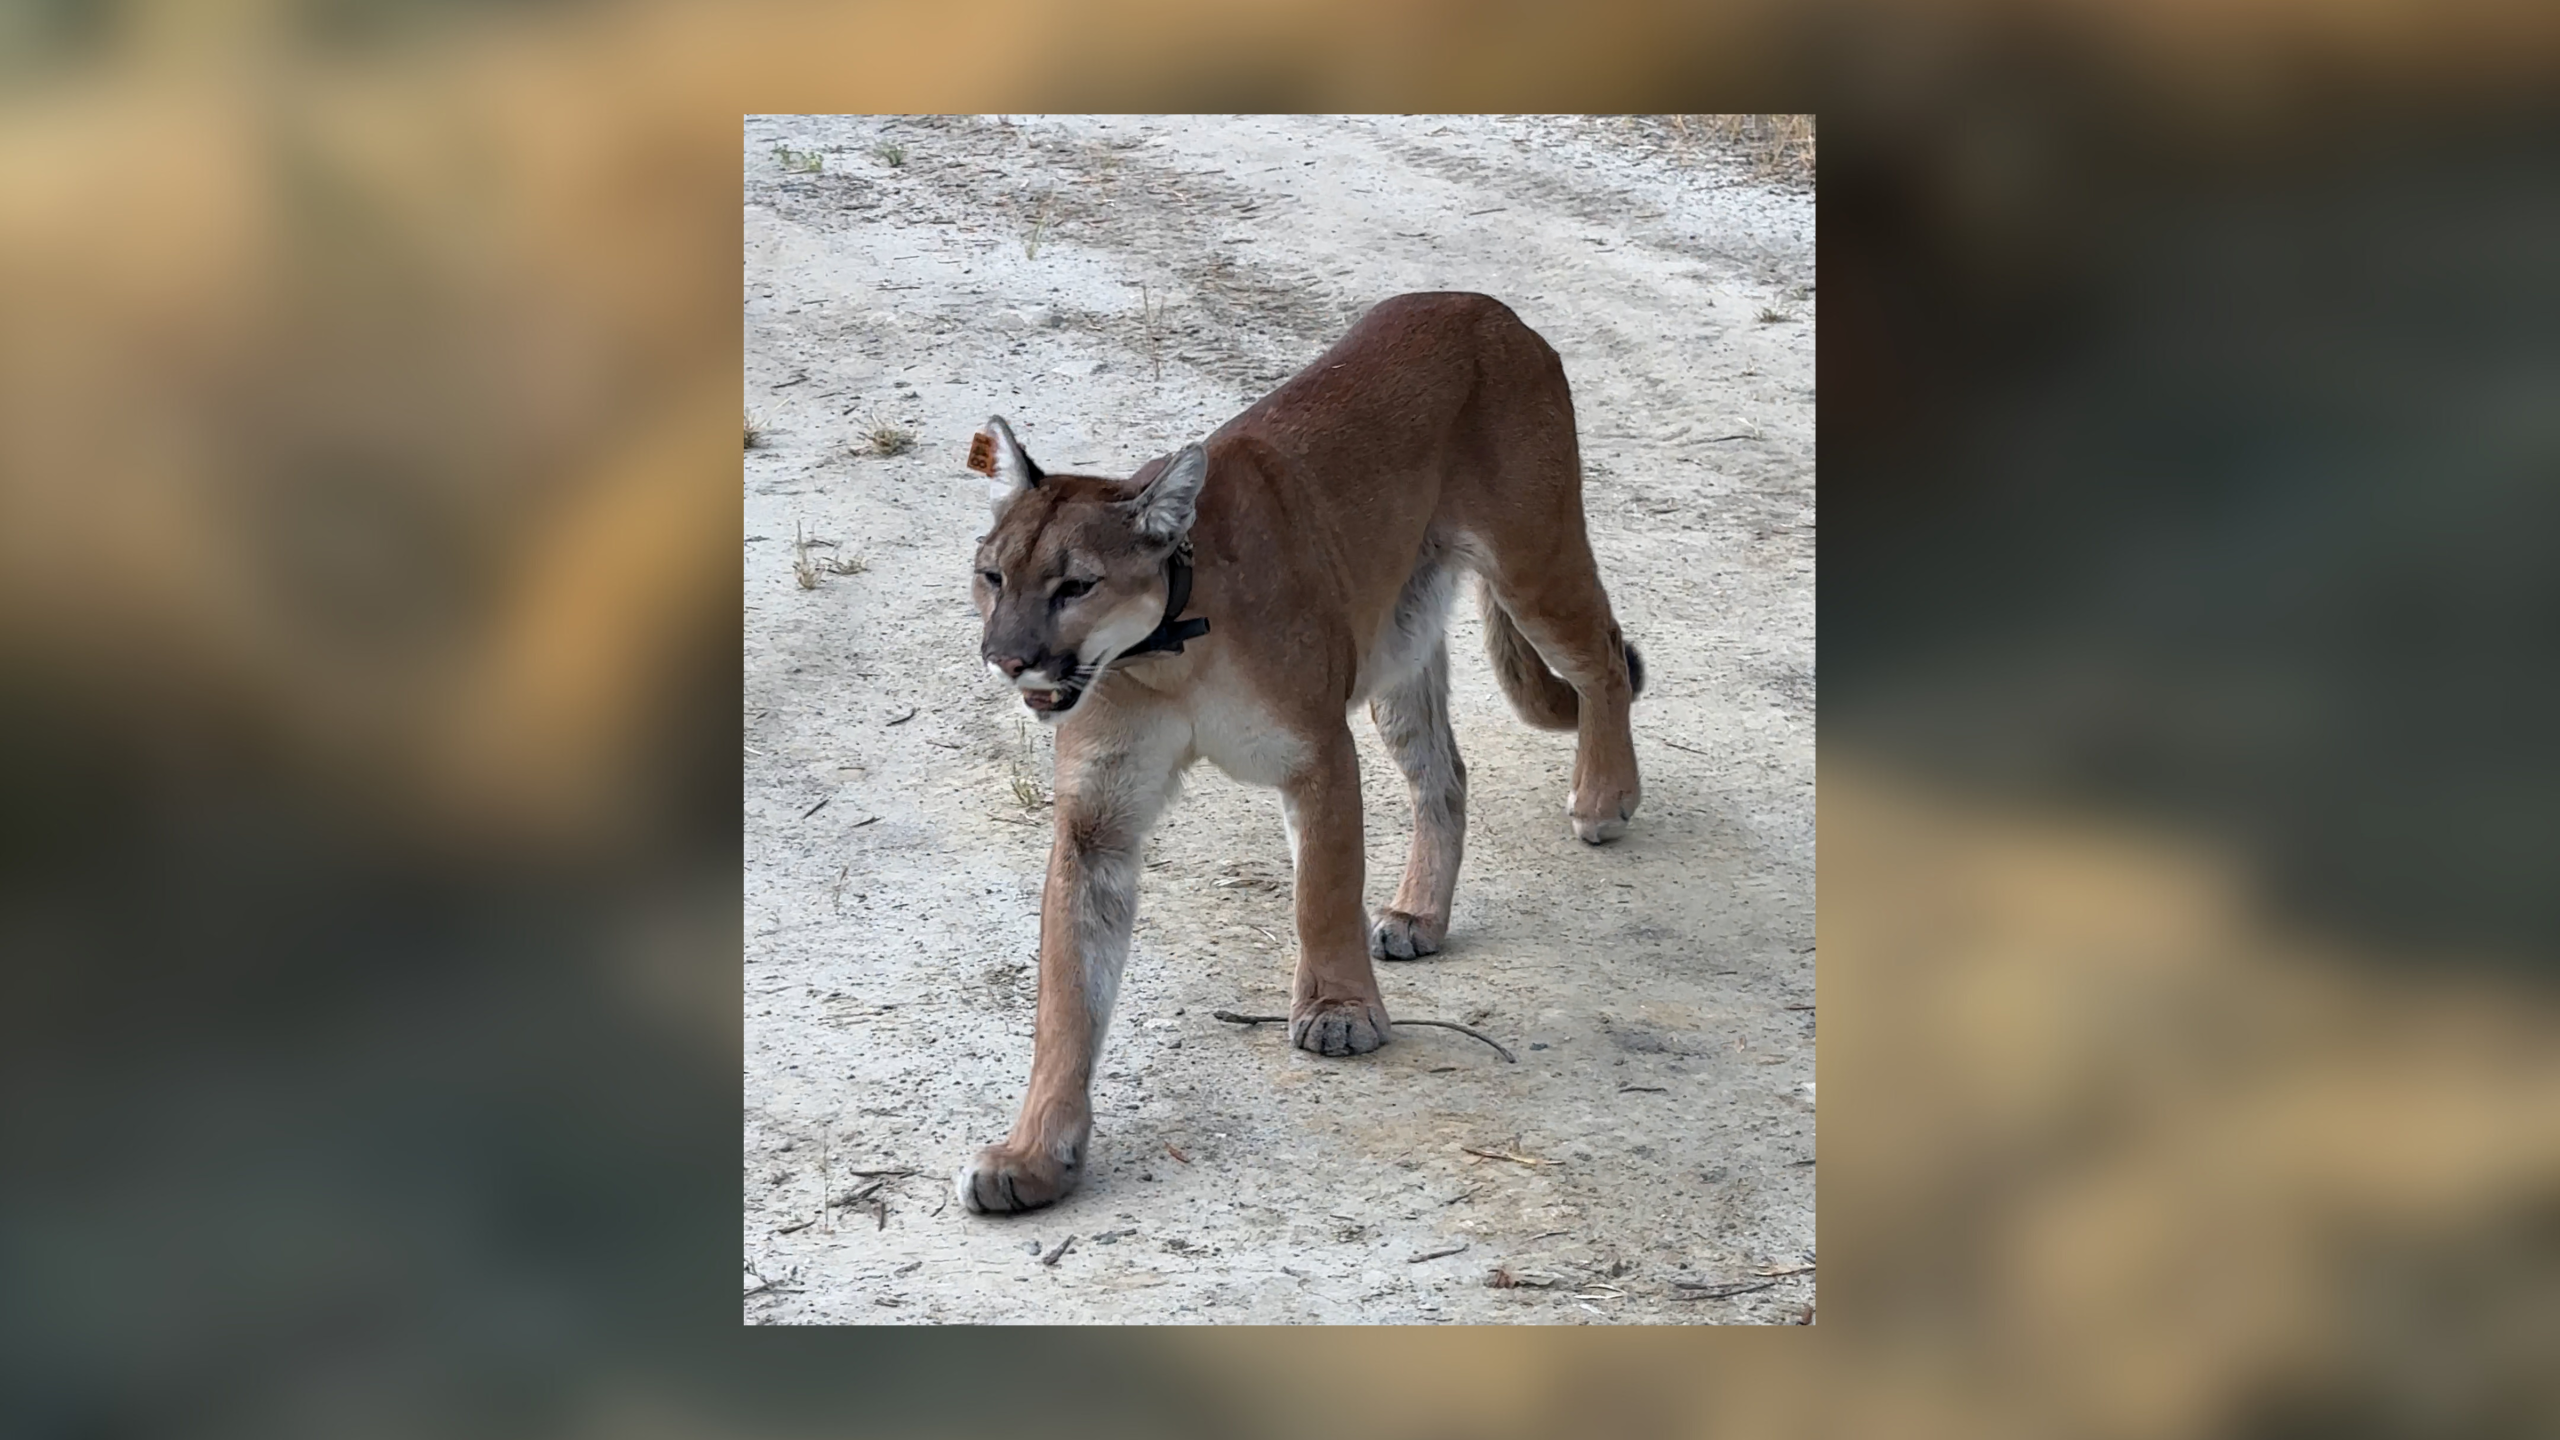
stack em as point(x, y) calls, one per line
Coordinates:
point(1779, 147)
point(1772, 316)
point(806, 568)
point(800, 162)
point(884, 438)
point(755, 430)
point(890, 153)
point(1026, 788)
point(1039, 227)
point(1026, 770)
point(802, 567)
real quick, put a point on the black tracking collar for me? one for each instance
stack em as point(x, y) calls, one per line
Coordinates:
point(1170, 635)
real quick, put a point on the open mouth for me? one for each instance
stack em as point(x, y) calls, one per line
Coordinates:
point(1052, 702)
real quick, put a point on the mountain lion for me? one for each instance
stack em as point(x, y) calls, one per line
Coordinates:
point(1313, 542)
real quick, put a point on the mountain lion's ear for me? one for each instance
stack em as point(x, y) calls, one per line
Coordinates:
point(1164, 509)
point(1010, 471)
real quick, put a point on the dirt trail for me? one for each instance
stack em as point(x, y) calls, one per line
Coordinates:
point(1115, 288)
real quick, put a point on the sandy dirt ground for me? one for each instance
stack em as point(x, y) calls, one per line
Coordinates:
point(1116, 287)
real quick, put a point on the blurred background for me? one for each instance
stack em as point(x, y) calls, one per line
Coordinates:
point(368, 774)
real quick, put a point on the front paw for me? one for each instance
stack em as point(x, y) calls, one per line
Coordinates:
point(1003, 1180)
point(1338, 1027)
point(1397, 935)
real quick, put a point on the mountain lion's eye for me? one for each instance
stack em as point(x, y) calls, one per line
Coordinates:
point(1070, 589)
point(994, 580)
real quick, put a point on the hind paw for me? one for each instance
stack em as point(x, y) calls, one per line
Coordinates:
point(1601, 814)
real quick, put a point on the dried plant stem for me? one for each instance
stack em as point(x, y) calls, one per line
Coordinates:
point(1233, 1018)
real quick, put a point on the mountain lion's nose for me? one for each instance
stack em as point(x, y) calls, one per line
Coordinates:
point(1011, 665)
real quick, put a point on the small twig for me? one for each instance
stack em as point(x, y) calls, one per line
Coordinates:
point(882, 1174)
point(1699, 1290)
point(847, 1202)
point(1491, 210)
point(1435, 1254)
point(1799, 1007)
point(814, 809)
point(865, 820)
point(1176, 1154)
point(880, 1208)
point(1648, 1089)
point(1148, 312)
point(903, 719)
point(1507, 1155)
point(1233, 1018)
point(1052, 1257)
point(1692, 749)
point(1784, 1270)
point(795, 1229)
point(1507, 1057)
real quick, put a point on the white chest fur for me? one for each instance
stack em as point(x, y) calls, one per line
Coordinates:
point(1231, 730)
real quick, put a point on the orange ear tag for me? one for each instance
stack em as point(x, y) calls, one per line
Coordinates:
point(982, 453)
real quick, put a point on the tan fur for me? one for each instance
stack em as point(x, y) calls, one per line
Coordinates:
point(1333, 520)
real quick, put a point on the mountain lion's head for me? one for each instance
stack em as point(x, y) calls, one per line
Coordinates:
point(1073, 573)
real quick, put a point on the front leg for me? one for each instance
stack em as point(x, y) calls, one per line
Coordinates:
point(1335, 1008)
point(1107, 799)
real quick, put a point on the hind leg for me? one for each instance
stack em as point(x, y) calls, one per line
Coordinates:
point(1563, 611)
point(1413, 718)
